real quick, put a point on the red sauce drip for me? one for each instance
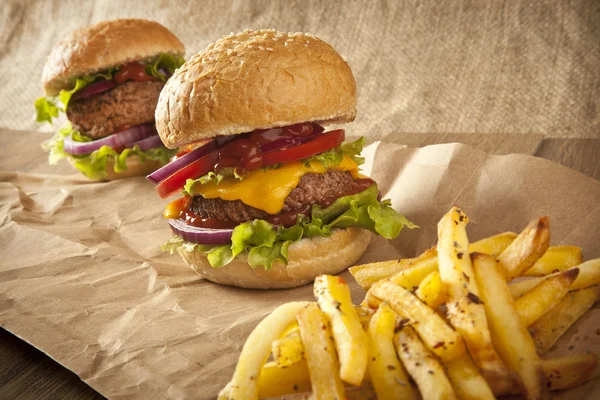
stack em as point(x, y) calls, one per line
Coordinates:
point(288, 218)
point(199, 222)
point(133, 71)
point(244, 153)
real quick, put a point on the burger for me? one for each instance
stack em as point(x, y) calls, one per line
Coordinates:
point(107, 79)
point(271, 196)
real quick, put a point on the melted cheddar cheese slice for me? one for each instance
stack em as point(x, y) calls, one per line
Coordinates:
point(267, 189)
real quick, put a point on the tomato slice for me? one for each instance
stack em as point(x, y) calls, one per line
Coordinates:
point(176, 181)
point(322, 143)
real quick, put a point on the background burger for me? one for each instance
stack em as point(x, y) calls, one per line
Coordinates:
point(270, 197)
point(107, 79)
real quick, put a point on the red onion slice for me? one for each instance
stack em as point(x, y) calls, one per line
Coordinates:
point(174, 166)
point(200, 235)
point(148, 143)
point(118, 139)
point(93, 89)
point(287, 142)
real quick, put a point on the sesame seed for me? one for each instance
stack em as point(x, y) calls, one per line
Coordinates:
point(269, 49)
point(250, 46)
point(285, 44)
point(229, 52)
point(289, 40)
point(261, 48)
point(274, 39)
point(307, 42)
point(305, 45)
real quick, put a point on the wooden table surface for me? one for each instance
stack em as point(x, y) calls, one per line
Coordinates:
point(26, 373)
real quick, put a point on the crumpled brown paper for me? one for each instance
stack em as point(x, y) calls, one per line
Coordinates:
point(82, 276)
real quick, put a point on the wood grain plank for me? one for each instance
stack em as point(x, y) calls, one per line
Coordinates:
point(582, 155)
point(27, 373)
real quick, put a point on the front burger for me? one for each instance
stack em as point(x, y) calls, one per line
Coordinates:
point(271, 197)
point(107, 78)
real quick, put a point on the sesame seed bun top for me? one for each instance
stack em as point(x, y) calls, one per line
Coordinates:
point(105, 45)
point(255, 80)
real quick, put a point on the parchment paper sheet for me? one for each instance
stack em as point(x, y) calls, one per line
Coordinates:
point(83, 279)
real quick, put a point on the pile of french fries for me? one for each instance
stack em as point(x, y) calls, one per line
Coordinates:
point(461, 321)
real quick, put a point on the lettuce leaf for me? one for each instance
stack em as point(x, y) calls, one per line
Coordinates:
point(45, 109)
point(166, 61)
point(93, 165)
point(265, 245)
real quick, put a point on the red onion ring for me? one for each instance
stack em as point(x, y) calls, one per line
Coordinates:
point(200, 235)
point(93, 89)
point(148, 143)
point(118, 139)
point(288, 142)
point(174, 166)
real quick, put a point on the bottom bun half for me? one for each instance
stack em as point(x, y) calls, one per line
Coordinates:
point(307, 258)
point(134, 168)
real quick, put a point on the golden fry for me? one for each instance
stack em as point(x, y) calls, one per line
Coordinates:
point(589, 275)
point(546, 330)
point(322, 361)
point(278, 381)
point(526, 249)
point(465, 310)
point(431, 290)
point(333, 296)
point(367, 275)
point(564, 372)
point(288, 350)
point(493, 245)
point(467, 381)
point(509, 334)
point(256, 350)
point(440, 338)
point(556, 259)
point(544, 296)
point(424, 368)
point(387, 374)
point(409, 279)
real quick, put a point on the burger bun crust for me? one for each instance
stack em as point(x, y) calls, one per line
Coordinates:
point(107, 44)
point(255, 80)
point(308, 258)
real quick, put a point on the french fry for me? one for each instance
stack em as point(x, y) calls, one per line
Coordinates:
point(409, 279)
point(431, 290)
point(256, 350)
point(509, 334)
point(387, 374)
point(333, 296)
point(544, 296)
point(493, 245)
point(589, 275)
point(467, 381)
point(568, 372)
point(556, 259)
point(526, 249)
point(546, 330)
point(465, 310)
point(275, 381)
point(440, 338)
point(288, 349)
point(322, 361)
point(424, 368)
point(564, 372)
point(367, 275)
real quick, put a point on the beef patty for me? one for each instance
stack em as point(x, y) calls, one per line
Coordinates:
point(130, 104)
point(311, 189)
